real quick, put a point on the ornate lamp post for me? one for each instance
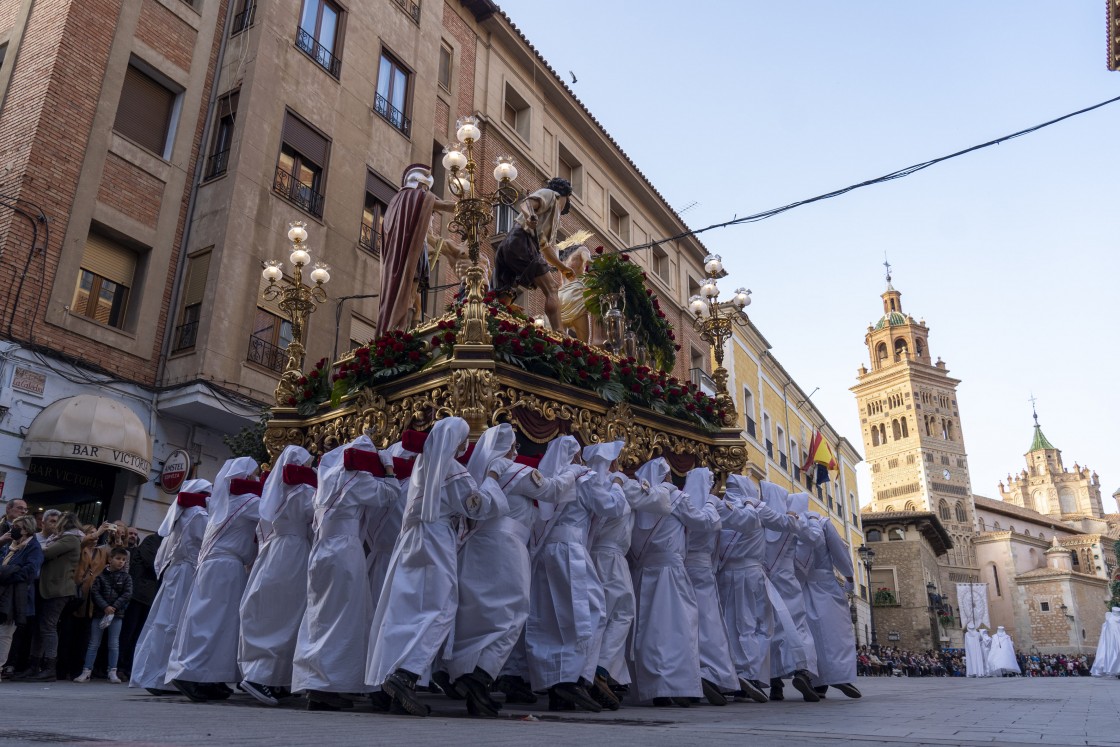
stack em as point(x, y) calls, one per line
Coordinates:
point(715, 324)
point(867, 557)
point(473, 212)
point(297, 301)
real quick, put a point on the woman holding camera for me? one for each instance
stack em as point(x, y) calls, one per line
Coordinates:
point(20, 560)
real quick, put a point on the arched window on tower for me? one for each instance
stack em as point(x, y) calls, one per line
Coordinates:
point(949, 430)
point(881, 353)
point(874, 535)
point(959, 510)
point(929, 425)
point(909, 506)
point(945, 429)
point(900, 349)
point(919, 348)
point(874, 435)
point(983, 527)
point(905, 430)
point(895, 430)
point(882, 433)
point(995, 579)
point(943, 509)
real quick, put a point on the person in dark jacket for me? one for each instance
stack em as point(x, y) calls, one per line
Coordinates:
point(111, 592)
point(21, 557)
point(56, 587)
point(145, 584)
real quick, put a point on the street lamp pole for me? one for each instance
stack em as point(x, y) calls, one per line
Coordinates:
point(867, 556)
point(715, 325)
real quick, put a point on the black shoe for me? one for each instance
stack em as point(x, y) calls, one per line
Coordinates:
point(516, 689)
point(662, 702)
point(31, 670)
point(804, 686)
point(752, 691)
point(822, 691)
point(46, 672)
point(314, 704)
point(776, 689)
point(338, 702)
point(192, 690)
point(476, 687)
point(849, 689)
point(263, 693)
point(157, 691)
point(215, 690)
point(401, 685)
point(682, 702)
point(712, 693)
point(443, 681)
point(577, 695)
point(381, 701)
point(600, 690)
point(556, 703)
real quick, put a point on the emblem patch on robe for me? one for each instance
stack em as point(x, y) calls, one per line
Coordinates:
point(645, 486)
point(474, 503)
point(537, 478)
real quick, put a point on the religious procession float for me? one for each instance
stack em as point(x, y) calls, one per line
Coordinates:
point(595, 366)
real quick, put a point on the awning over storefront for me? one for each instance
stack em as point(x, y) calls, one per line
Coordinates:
point(90, 429)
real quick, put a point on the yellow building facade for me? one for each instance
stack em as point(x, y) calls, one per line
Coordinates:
point(778, 421)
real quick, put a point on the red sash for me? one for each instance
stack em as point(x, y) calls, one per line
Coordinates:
point(296, 474)
point(190, 500)
point(360, 460)
point(402, 468)
point(241, 486)
point(414, 441)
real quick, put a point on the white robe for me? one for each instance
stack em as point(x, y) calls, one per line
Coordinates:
point(563, 633)
point(826, 607)
point(331, 647)
point(417, 609)
point(276, 595)
point(1106, 663)
point(380, 527)
point(716, 665)
point(791, 650)
point(975, 662)
point(666, 639)
point(609, 541)
point(205, 648)
point(494, 573)
point(1001, 659)
point(752, 608)
point(153, 649)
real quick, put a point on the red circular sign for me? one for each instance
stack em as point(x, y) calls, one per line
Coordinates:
point(175, 469)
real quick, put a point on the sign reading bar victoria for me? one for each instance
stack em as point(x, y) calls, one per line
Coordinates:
point(175, 469)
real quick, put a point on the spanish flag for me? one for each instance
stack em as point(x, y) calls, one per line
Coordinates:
point(819, 460)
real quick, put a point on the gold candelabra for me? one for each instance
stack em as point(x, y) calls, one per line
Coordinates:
point(715, 323)
point(473, 212)
point(297, 300)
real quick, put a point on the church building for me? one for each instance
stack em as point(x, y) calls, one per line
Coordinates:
point(1044, 549)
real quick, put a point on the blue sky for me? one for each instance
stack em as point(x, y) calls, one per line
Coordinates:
point(1009, 254)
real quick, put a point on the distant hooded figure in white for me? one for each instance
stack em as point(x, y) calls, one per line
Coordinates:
point(792, 651)
point(494, 573)
point(382, 524)
point(717, 671)
point(1106, 663)
point(975, 662)
point(276, 595)
point(204, 656)
point(564, 632)
point(666, 639)
point(752, 607)
point(417, 609)
point(175, 563)
point(331, 647)
point(1001, 659)
point(826, 605)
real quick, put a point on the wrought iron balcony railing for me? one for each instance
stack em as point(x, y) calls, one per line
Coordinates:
point(367, 239)
point(243, 20)
point(392, 115)
point(185, 336)
point(295, 191)
point(751, 427)
point(264, 353)
point(409, 7)
point(316, 51)
point(217, 163)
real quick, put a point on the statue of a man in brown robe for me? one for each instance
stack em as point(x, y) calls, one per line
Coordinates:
point(404, 259)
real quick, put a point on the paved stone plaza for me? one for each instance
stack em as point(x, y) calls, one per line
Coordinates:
point(934, 711)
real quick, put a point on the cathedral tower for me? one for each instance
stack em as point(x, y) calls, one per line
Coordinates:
point(911, 429)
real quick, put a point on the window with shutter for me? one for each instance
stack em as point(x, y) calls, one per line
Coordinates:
point(144, 111)
point(393, 98)
point(378, 194)
point(107, 272)
point(223, 135)
point(302, 164)
point(361, 332)
point(198, 267)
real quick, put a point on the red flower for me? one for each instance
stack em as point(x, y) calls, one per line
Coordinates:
point(448, 337)
point(314, 374)
point(636, 387)
point(592, 359)
point(516, 345)
point(500, 339)
point(302, 380)
point(561, 356)
point(624, 258)
point(598, 250)
point(524, 333)
point(625, 371)
point(582, 374)
point(308, 394)
point(435, 342)
point(291, 401)
point(690, 407)
point(538, 347)
point(407, 337)
point(676, 347)
point(493, 311)
point(649, 292)
point(414, 355)
point(398, 347)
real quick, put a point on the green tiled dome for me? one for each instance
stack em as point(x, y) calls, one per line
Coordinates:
point(893, 319)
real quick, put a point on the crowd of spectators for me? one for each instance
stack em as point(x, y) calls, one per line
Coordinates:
point(891, 661)
point(65, 586)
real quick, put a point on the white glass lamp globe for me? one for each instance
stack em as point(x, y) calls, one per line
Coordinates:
point(321, 274)
point(297, 233)
point(300, 257)
point(697, 305)
point(713, 265)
